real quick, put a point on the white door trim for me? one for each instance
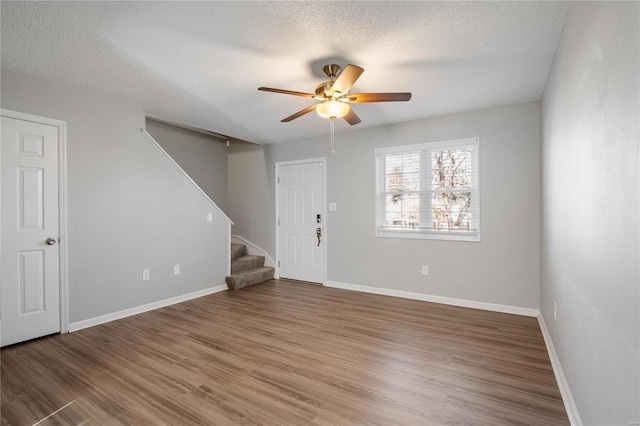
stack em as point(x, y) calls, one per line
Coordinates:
point(325, 227)
point(62, 205)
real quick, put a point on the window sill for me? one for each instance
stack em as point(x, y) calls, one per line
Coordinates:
point(427, 236)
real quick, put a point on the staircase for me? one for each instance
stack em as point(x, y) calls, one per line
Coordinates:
point(246, 269)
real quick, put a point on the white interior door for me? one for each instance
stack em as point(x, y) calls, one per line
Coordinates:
point(301, 214)
point(29, 252)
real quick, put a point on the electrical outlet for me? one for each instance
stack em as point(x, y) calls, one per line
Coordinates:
point(555, 310)
point(425, 269)
point(146, 274)
point(176, 269)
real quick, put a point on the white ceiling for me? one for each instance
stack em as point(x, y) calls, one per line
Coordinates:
point(200, 63)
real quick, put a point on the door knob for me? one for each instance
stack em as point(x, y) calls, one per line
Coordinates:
point(50, 241)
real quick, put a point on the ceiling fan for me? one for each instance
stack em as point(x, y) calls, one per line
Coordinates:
point(335, 96)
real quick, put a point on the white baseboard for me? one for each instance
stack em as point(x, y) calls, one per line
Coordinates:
point(529, 312)
point(75, 326)
point(254, 250)
point(563, 385)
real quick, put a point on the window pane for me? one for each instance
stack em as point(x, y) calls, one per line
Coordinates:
point(452, 169)
point(428, 190)
point(451, 211)
point(402, 173)
point(402, 210)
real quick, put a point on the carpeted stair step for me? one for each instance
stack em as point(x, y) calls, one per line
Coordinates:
point(246, 269)
point(238, 250)
point(249, 277)
point(246, 262)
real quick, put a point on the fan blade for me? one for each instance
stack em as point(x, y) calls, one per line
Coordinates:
point(299, 113)
point(286, 92)
point(352, 118)
point(359, 98)
point(346, 79)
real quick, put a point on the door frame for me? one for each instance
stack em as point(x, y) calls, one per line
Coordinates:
point(323, 210)
point(62, 205)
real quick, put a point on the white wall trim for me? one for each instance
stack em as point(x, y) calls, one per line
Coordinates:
point(143, 308)
point(62, 206)
point(507, 309)
point(253, 249)
point(229, 251)
point(204, 194)
point(563, 385)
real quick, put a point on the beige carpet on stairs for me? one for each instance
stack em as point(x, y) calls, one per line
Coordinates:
point(247, 269)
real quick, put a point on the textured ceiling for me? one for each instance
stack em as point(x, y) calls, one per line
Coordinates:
point(200, 63)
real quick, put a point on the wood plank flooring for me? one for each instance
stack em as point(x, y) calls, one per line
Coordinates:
point(283, 353)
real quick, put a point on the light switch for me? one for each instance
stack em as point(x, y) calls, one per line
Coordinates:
point(333, 207)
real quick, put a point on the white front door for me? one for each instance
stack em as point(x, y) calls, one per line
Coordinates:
point(29, 252)
point(300, 219)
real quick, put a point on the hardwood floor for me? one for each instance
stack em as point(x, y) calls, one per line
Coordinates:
point(284, 353)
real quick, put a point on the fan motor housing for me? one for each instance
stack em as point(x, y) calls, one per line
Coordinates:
point(331, 70)
point(323, 89)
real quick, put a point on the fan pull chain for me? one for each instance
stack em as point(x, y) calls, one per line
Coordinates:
point(332, 145)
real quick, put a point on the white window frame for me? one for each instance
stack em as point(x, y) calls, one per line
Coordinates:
point(425, 201)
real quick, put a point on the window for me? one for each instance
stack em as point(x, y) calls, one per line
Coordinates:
point(428, 190)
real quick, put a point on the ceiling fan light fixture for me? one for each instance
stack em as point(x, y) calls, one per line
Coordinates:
point(335, 96)
point(333, 109)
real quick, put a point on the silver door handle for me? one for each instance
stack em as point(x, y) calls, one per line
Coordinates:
point(50, 241)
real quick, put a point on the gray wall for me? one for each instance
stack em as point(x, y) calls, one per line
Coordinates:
point(590, 235)
point(503, 268)
point(251, 202)
point(129, 208)
point(203, 157)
